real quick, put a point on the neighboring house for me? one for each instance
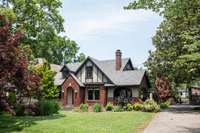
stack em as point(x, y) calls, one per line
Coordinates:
point(102, 81)
point(195, 95)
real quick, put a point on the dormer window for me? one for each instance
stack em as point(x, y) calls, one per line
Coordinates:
point(89, 71)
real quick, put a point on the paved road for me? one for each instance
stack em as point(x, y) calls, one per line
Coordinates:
point(177, 119)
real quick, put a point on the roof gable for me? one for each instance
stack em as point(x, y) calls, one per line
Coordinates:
point(128, 66)
point(93, 61)
point(107, 68)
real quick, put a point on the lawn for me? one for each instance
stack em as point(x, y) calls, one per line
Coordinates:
point(71, 122)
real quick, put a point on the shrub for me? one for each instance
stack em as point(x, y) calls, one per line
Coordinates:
point(164, 105)
point(84, 107)
point(118, 109)
point(48, 107)
point(12, 98)
point(151, 106)
point(129, 107)
point(137, 106)
point(97, 107)
point(19, 109)
point(109, 107)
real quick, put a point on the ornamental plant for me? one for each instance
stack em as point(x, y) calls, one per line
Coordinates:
point(97, 107)
point(109, 107)
point(14, 73)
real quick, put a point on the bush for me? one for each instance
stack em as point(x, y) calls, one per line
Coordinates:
point(109, 107)
point(137, 106)
point(97, 107)
point(118, 109)
point(164, 105)
point(129, 107)
point(12, 98)
point(151, 106)
point(48, 107)
point(84, 107)
point(19, 109)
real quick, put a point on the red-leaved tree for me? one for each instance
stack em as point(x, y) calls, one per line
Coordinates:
point(14, 73)
point(163, 88)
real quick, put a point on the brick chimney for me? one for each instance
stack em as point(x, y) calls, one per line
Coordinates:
point(118, 59)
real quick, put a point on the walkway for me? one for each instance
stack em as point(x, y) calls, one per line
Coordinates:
point(177, 119)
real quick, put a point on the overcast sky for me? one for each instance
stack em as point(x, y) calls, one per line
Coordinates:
point(102, 26)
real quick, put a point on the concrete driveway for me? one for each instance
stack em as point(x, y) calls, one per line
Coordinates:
point(176, 119)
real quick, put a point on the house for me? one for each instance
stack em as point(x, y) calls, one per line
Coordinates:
point(102, 81)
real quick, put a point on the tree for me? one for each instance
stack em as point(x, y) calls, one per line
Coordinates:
point(177, 40)
point(49, 90)
point(14, 73)
point(42, 25)
point(163, 88)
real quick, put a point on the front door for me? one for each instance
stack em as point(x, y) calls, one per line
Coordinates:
point(69, 96)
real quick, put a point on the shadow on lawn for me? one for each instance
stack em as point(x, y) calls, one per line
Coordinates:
point(11, 123)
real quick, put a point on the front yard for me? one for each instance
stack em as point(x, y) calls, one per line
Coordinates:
point(71, 122)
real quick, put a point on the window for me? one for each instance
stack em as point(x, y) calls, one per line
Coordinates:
point(93, 94)
point(89, 72)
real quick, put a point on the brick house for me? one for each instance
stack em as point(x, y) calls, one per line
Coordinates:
point(102, 81)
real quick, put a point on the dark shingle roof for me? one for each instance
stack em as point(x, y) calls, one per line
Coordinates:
point(130, 77)
point(73, 66)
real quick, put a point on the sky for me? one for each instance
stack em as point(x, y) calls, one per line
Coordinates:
point(100, 27)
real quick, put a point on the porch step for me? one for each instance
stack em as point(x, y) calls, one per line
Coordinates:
point(69, 108)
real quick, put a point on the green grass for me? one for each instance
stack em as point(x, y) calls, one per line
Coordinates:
point(71, 122)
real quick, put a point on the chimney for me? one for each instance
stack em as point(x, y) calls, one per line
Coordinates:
point(118, 59)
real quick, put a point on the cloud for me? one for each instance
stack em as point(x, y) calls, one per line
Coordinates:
point(113, 21)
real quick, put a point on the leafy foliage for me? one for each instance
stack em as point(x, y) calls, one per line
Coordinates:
point(177, 40)
point(48, 107)
point(129, 107)
point(19, 109)
point(42, 25)
point(137, 106)
point(118, 109)
point(97, 107)
point(14, 73)
point(151, 106)
point(163, 88)
point(164, 105)
point(49, 90)
point(84, 107)
point(109, 107)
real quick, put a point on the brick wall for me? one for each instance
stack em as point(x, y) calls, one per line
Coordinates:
point(71, 83)
point(102, 95)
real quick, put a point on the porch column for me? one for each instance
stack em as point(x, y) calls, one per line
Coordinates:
point(102, 95)
point(76, 96)
point(110, 95)
point(65, 96)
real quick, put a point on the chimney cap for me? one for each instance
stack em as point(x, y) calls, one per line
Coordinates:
point(118, 52)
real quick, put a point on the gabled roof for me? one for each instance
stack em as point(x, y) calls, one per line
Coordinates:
point(77, 80)
point(120, 78)
point(131, 77)
point(71, 66)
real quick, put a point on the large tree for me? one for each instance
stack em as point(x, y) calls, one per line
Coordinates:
point(177, 40)
point(14, 73)
point(43, 26)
